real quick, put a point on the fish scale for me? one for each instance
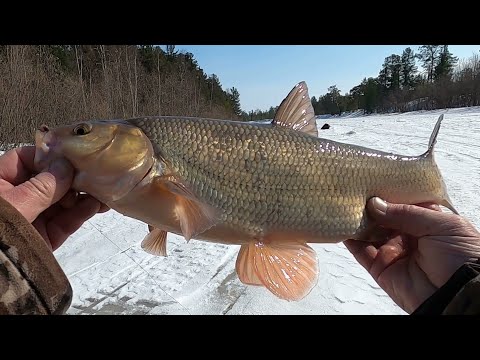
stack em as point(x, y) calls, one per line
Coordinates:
point(275, 179)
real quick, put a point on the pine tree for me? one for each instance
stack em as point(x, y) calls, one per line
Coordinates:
point(390, 74)
point(332, 100)
point(408, 69)
point(367, 94)
point(170, 50)
point(429, 56)
point(234, 97)
point(446, 63)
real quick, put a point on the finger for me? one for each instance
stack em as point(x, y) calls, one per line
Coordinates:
point(394, 249)
point(37, 194)
point(103, 207)
point(69, 199)
point(16, 165)
point(70, 220)
point(431, 206)
point(410, 219)
point(363, 252)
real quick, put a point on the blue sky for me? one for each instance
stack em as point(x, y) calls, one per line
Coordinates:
point(265, 74)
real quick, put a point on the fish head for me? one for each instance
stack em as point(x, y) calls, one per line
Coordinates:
point(109, 157)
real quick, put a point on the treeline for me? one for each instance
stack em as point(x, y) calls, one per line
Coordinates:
point(430, 79)
point(59, 84)
point(443, 82)
point(255, 115)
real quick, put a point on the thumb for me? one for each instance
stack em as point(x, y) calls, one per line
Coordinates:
point(40, 192)
point(410, 219)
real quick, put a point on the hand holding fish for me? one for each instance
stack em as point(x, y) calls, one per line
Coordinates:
point(45, 200)
point(422, 251)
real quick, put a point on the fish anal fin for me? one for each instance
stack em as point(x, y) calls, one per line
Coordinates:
point(194, 216)
point(296, 111)
point(288, 270)
point(155, 242)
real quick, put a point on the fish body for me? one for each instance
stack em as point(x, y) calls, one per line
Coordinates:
point(272, 188)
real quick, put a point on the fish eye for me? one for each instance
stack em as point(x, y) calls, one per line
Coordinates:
point(82, 129)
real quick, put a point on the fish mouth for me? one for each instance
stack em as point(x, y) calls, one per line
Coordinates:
point(45, 143)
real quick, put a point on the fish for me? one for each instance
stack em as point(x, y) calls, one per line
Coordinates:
point(273, 188)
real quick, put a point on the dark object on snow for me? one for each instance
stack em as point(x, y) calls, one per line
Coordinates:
point(325, 127)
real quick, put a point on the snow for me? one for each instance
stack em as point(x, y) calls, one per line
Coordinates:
point(111, 274)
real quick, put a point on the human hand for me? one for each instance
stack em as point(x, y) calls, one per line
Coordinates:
point(423, 249)
point(45, 200)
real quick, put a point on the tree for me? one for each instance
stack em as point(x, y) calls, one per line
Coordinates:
point(330, 101)
point(429, 56)
point(367, 94)
point(389, 76)
point(170, 50)
point(446, 63)
point(147, 57)
point(234, 97)
point(408, 69)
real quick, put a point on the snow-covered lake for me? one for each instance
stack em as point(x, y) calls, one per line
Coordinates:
point(111, 274)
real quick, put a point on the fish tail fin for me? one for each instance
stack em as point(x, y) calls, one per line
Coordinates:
point(446, 201)
point(433, 138)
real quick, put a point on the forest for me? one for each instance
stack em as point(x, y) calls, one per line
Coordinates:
point(431, 79)
point(61, 84)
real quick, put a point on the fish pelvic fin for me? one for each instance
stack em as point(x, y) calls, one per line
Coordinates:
point(245, 270)
point(155, 242)
point(289, 271)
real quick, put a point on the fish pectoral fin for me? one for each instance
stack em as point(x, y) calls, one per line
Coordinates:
point(289, 271)
point(194, 216)
point(155, 243)
point(296, 111)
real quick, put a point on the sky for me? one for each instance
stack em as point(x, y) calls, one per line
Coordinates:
point(264, 74)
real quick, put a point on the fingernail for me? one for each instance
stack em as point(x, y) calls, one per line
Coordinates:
point(60, 168)
point(380, 205)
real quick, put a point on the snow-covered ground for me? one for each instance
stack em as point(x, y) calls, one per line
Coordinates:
point(110, 273)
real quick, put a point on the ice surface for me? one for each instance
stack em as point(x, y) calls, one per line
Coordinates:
point(111, 274)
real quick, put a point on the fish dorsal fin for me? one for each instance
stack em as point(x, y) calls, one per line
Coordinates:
point(194, 216)
point(155, 243)
point(289, 271)
point(296, 111)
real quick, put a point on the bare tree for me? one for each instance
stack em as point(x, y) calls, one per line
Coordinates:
point(79, 58)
